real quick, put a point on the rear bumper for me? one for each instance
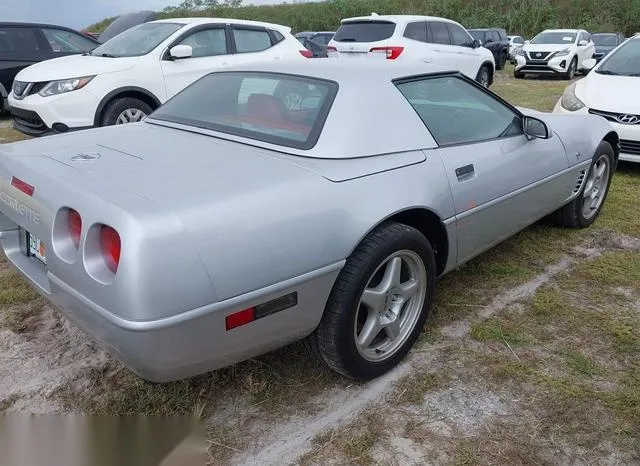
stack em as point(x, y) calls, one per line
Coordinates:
point(190, 343)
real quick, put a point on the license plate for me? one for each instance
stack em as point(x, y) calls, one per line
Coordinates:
point(36, 248)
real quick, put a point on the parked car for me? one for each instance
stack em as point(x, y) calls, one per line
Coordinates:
point(124, 22)
point(405, 38)
point(496, 40)
point(605, 42)
point(23, 44)
point(128, 77)
point(315, 42)
point(194, 239)
point(611, 90)
point(555, 52)
point(515, 43)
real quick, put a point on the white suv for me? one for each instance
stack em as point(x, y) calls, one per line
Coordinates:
point(129, 76)
point(555, 52)
point(425, 38)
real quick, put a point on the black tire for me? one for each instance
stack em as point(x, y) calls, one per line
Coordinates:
point(518, 75)
point(502, 61)
point(333, 341)
point(572, 214)
point(484, 76)
point(571, 71)
point(117, 106)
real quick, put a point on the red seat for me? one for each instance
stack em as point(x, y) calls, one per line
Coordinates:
point(265, 106)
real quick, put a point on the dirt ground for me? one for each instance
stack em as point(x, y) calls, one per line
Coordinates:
point(531, 356)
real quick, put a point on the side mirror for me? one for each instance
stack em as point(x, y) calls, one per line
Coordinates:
point(181, 51)
point(535, 129)
point(476, 43)
point(526, 42)
point(589, 63)
point(583, 43)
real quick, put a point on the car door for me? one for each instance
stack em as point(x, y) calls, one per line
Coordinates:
point(20, 46)
point(501, 181)
point(439, 45)
point(211, 51)
point(416, 44)
point(250, 44)
point(467, 58)
point(584, 51)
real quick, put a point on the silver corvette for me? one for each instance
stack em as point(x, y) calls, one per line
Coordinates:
point(279, 202)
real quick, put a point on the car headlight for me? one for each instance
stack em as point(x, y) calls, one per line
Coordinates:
point(562, 53)
point(65, 85)
point(569, 100)
point(520, 52)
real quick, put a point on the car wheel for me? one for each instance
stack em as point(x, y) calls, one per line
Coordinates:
point(125, 110)
point(378, 305)
point(484, 76)
point(584, 209)
point(571, 71)
point(518, 75)
point(502, 60)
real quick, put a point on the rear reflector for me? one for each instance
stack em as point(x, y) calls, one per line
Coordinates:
point(75, 227)
point(391, 52)
point(251, 314)
point(110, 243)
point(306, 53)
point(22, 186)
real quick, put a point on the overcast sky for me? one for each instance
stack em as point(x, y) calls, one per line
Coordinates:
point(81, 13)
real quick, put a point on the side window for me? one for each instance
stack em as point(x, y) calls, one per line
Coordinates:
point(18, 40)
point(416, 31)
point(251, 40)
point(457, 112)
point(62, 41)
point(459, 36)
point(438, 33)
point(277, 35)
point(495, 36)
point(207, 43)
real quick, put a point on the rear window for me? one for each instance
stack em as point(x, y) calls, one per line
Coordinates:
point(364, 31)
point(271, 107)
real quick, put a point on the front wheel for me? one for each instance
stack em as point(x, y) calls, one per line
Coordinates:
point(378, 305)
point(584, 209)
point(484, 76)
point(502, 61)
point(125, 110)
point(571, 71)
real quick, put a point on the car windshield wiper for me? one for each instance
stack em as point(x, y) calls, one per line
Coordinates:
point(347, 39)
point(106, 55)
point(608, 72)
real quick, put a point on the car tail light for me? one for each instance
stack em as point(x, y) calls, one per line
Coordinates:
point(110, 243)
point(331, 50)
point(74, 222)
point(22, 186)
point(306, 53)
point(391, 52)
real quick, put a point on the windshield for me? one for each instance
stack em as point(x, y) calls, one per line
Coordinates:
point(624, 61)
point(364, 31)
point(271, 107)
point(554, 38)
point(137, 41)
point(477, 34)
point(607, 40)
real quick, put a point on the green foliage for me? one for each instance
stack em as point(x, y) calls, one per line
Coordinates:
point(525, 17)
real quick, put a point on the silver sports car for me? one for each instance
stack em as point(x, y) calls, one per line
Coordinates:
point(279, 202)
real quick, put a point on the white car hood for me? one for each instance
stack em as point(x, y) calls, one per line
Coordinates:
point(74, 66)
point(619, 94)
point(547, 47)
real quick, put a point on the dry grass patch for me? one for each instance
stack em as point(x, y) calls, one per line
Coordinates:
point(11, 135)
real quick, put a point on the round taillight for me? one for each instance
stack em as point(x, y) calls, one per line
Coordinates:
point(75, 226)
point(110, 243)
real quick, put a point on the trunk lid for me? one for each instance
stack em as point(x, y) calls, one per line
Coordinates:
point(356, 38)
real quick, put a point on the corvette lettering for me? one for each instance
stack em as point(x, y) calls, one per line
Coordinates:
point(19, 207)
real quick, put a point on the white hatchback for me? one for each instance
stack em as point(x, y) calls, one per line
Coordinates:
point(132, 74)
point(402, 37)
point(611, 90)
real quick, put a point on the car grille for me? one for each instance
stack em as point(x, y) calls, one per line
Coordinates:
point(621, 118)
point(22, 89)
point(538, 55)
point(630, 147)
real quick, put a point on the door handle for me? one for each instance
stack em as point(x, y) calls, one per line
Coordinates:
point(465, 172)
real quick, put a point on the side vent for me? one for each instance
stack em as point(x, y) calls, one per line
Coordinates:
point(579, 182)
